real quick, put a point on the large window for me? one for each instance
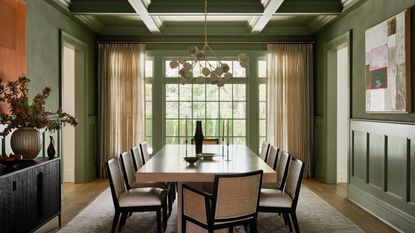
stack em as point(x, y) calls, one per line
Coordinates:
point(149, 64)
point(262, 97)
point(206, 103)
point(241, 102)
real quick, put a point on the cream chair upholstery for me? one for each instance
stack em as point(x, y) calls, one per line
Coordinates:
point(264, 151)
point(128, 159)
point(282, 166)
point(234, 202)
point(272, 156)
point(136, 200)
point(144, 152)
point(285, 202)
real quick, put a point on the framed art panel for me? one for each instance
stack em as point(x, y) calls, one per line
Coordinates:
point(388, 65)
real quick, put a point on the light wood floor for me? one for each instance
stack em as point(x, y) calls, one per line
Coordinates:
point(78, 196)
point(335, 195)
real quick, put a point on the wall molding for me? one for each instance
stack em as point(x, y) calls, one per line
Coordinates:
point(382, 162)
point(387, 213)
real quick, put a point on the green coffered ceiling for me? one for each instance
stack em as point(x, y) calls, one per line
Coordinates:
point(185, 17)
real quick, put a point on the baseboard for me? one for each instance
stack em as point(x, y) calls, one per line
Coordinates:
point(385, 212)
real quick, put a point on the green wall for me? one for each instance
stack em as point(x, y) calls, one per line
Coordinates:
point(42, 42)
point(380, 148)
point(365, 16)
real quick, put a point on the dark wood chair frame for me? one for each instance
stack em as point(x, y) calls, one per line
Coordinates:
point(286, 212)
point(285, 173)
point(210, 204)
point(124, 211)
point(266, 155)
point(276, 156)
point(208, 141)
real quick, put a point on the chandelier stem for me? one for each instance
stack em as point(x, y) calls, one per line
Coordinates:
point(206, 44)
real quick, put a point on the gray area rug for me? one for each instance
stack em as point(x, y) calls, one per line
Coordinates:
point(314, 215)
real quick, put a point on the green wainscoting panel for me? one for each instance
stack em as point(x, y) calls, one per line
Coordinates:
point(92, 148)
point(359, 155)
point(319, 148)
point(376, 175)
point(411, 172)
point(387, 191)
point(396, 169)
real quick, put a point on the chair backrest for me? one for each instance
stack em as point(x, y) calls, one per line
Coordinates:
point(236, 196)
point(144, 152)
point(116, 179)
point(264, 151)
point(138, 158)
point(272, 156)
point(209, 141)
point(294, 178)
point(282, 168)
point(128, 168)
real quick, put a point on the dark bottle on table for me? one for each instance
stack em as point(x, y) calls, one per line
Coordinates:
point(199, 137)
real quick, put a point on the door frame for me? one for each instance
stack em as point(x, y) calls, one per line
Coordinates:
point(330, 122)
point(81, 106)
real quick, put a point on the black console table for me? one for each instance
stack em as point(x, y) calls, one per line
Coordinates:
point(30, 194)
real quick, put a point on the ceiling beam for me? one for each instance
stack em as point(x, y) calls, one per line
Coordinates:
point(153, 23)
point(197, 6)
point(317, 7)
point(219, 7)
point(260, 22)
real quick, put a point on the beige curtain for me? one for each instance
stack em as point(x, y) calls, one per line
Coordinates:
point(289, 100)
point(122, 99)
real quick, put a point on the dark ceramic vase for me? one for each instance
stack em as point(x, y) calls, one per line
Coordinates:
point(199, 137)
point(51, 148)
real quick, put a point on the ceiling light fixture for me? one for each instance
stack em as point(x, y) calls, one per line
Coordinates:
point(216, 74)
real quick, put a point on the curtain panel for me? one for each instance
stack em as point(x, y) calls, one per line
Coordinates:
point(122, 99)
point(289, 100)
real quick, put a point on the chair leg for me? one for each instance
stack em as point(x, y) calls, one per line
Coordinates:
point(253, 227)
point(164, 208)
point(230, 229)
point(170, 197)
point(183, 224)
point(123, 220)
point(287, 219)
point(295, 222)
point(159, 221)
point(115, 221)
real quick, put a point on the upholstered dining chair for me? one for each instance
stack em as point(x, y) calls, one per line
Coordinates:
point(129, 158)
point(133, 200)
point(234, 202)
point(144, 152)
point(285, 202)
point(172, 187)
point(264, 151)
point(282, 165)
point(272, 156)
point(138, 158)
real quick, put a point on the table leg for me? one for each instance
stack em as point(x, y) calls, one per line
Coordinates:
point(190, 227)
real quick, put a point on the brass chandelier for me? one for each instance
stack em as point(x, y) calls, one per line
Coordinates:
point(214, 74)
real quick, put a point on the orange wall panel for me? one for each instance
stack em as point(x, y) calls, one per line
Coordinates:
point(12, 39)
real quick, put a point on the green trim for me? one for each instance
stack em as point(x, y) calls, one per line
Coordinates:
point(382, 210)
point(326, 149)
point(82, 170)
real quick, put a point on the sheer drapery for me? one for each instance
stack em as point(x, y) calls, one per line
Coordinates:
point(289, 100)
point(122, 98)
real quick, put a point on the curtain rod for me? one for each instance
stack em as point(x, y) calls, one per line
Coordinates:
point(201, 42)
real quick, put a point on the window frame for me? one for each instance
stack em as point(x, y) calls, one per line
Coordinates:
point(159, 82)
